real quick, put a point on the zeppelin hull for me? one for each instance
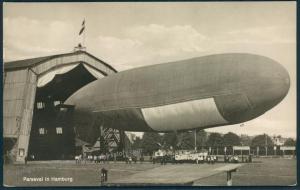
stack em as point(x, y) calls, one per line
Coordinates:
point(201, 92)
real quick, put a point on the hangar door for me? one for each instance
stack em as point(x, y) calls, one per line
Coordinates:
point(52, 134)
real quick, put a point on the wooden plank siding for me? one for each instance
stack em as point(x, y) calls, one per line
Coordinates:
point(27, 107)
point(13, 99)
point(18, 76)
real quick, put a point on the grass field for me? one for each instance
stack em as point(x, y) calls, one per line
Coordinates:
point(263, 171)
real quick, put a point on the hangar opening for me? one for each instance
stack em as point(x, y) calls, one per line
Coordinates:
point(52, 121)
point(36, 122)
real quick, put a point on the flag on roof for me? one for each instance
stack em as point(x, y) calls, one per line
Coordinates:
point(82, 27)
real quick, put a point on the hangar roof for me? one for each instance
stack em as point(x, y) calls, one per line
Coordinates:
point(39, 60)
point(55, 74)
point(25, 62)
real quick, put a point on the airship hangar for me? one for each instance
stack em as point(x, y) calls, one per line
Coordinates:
point(35, 120)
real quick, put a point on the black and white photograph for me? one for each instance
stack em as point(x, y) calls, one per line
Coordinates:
point(149, 94)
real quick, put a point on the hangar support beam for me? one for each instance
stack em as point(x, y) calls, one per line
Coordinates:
point(26, 120)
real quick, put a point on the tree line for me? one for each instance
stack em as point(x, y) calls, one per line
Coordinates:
point(151, 141)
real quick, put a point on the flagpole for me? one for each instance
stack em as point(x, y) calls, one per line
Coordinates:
point(83, 39)
point(83, 43)
point(81, 46)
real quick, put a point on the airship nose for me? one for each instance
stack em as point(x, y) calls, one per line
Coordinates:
point(263, 83)
point(272, 87)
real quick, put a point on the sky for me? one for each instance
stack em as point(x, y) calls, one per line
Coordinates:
point(131, 34)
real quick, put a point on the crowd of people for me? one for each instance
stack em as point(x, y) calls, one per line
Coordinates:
point(235, 158)
point(128, 159)
point(211, 159)
point(102, 158)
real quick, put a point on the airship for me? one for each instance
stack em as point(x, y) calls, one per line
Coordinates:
point(197, 93)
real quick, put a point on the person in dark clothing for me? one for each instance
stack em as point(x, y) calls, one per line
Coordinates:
point(141, 159)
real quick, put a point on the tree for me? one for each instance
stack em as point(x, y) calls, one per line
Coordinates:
point(290, 142)
point(262, 140)
point(201, 138)
point(150, 142)
point(215, 140)
point(245, 140)
point(231, 139)
point(137, 143)
point(170, 140)
point(187, 140)
point(184, 140)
